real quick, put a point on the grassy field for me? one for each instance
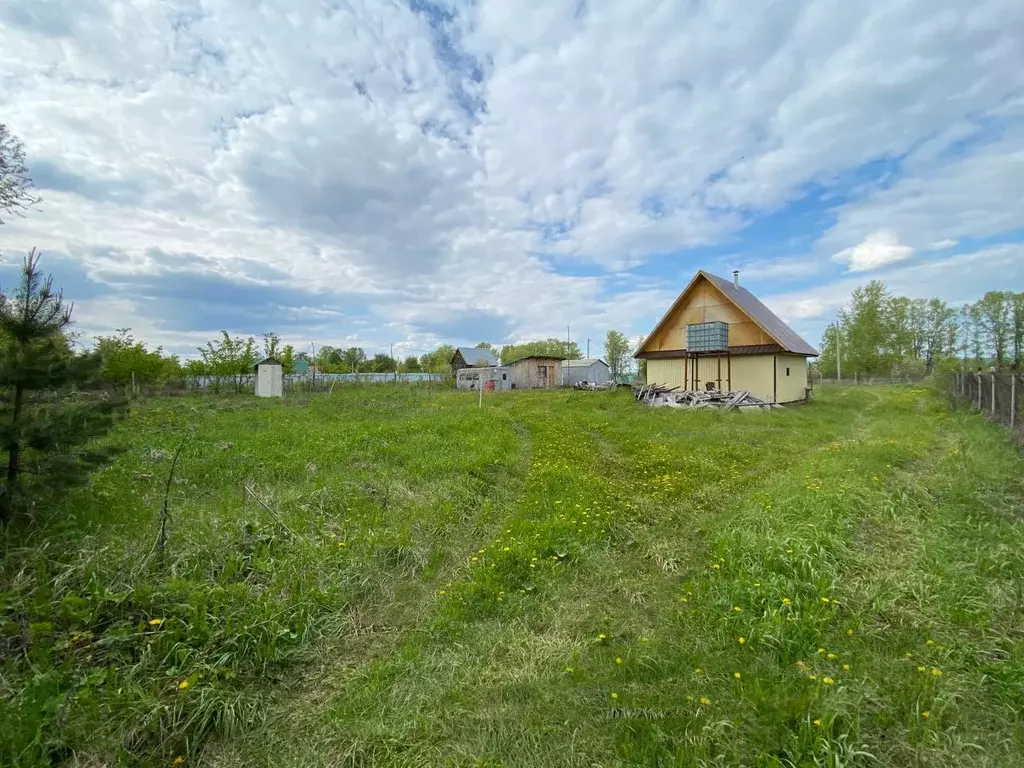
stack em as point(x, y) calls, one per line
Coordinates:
point(557, 578)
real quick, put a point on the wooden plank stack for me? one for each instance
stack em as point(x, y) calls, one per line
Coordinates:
point(673, 397)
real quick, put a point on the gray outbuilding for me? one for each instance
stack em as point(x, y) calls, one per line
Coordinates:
point(593, 370)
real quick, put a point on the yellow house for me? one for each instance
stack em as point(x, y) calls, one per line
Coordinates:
point(719, 332)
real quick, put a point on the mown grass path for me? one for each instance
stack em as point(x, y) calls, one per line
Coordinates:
point(562, 579)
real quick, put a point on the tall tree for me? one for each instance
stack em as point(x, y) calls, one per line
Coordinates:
point(555, 347)
point(15, 183)
point(352, 359)
point(440, 360)
point(288, 359)
point(411, 364)
point(1018, 330)
point(995, 313)
point(616, 350)
point(123, 359)
point(45, 426)
point(271, 345)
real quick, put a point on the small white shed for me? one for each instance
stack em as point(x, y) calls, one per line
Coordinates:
point(269, 378)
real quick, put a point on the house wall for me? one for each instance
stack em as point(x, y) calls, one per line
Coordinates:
point(269, 381)
point(752, 372)
point(705, 303)
point(794, 386)
point(474, 378)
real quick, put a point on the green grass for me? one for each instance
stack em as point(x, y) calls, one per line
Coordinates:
point(554, 579)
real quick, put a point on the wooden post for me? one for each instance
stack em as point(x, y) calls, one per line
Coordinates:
point(1013, 401)
point(728, 365)
point(977, 380)
point(992, 408)
point(719, 358)
point(686, 371)
point(775, 379)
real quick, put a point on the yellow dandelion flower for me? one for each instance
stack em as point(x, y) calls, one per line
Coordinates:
point(849, 632)
point(789, 551)
point(716, 566)
point(179, 760)
point(825, 600)
point(926, 714)
point(931, 642)
point(698, 671)
point(183, 685)
point(615, 695)
point(846, 667)
point(936, 672)
point(742, 640)
point(786, 601)
point(831, 657)
point(828, 681)
point(705, 700)
point(812, 677)
point(341, 544)
point(737, 675)
point(821, 650)
point(474, 558)
point(618, 660)
point(602, 637)
point(155, 622)
point(818, 723)
point(922, 669)
point(689, 698)
point(645, 639)
point(757, 584)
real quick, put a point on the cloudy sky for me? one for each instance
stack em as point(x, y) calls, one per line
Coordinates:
point(418, 171)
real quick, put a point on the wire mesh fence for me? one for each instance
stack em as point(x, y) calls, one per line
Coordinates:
point(996, 395)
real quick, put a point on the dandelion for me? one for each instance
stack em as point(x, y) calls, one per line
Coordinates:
point(183, 685)
point(789, 551)
point(716, 566)
point(475, 558)
point(570, 670)
point(737, 608)
point(442, 592)
point(936, 672)
point(846, 667)
point(341, 544)
point(922, 669)
point(602, 636)
point(618, 660)
point(615, 695)
point(828, 681)
point(689, 698)
point(737, 675)
point(812, 677)
point(821, 650)
point(926, 714)
point(155, 622)
point(825, 600)
point(741, 640)
point(931, 642)
point(705, 700)
point(684, 599)
point(849, 632)
point(786, 601)
point(179, 760)
point(817, 723)
point(698, 671)
point(831, 657)
point(645, 639)
point(757, 584)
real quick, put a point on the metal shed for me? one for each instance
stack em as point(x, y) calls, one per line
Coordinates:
point(499, 377)
point(269, 378)
point(593, 370)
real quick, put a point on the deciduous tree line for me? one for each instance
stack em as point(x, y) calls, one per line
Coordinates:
point(879, 334)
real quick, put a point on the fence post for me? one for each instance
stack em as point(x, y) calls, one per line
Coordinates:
point(992, 410)
point(1013, 401)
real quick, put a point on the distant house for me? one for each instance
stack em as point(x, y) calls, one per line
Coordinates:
point(590, 369)
point(490, 378)
point(472, 357)
point(719, 334)
point(536, 372)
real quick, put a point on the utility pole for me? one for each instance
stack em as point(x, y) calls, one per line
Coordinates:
point(588, 349)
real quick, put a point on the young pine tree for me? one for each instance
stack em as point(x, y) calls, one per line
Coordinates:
point(46, 423)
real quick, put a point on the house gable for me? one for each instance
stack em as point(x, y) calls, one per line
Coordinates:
point(702, 302)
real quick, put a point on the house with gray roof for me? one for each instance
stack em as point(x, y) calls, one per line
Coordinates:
point(472, 357)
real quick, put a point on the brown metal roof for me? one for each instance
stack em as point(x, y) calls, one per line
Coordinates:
point(763, 316)
point(744, 349)
point(788, 339)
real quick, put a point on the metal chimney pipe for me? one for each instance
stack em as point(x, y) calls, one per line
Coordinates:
point(736, 279)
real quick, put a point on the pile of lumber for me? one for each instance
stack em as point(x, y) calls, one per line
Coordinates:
point(673, 397)
point(592, 385)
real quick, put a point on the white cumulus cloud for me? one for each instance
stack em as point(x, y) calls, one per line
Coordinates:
point(878, 249)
